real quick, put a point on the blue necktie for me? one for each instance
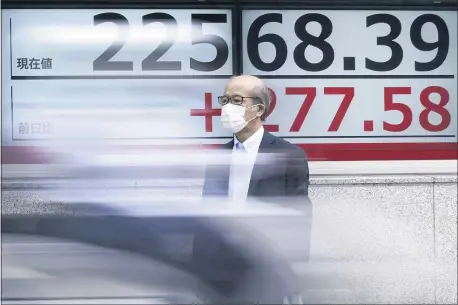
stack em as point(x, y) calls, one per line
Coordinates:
point(239, 147)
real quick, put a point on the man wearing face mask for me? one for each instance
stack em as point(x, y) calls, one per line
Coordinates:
point(259, 166)
point(245, 103)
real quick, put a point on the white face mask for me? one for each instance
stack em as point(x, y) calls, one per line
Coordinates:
point(232, 117)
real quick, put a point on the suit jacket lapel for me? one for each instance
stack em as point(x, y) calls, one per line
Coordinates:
point(267, 143)
point(229, 145)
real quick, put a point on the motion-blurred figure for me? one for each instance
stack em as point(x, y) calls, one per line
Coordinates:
point(259, 168)
point(261, 165)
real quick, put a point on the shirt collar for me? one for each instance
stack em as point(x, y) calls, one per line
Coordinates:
point(252, 144)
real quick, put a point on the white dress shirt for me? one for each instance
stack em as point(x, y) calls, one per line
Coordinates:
point(242, 163)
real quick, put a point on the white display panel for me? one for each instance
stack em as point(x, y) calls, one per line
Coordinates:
point(57, 85)
point(119, 42)
point(347, 36)
point(116, 75)
point(146, 110)
point(337, 111)
point(367, 53)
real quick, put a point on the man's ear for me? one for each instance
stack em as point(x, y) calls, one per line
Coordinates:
point(261, 109)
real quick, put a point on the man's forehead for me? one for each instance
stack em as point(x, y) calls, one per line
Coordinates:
point(237, 89)
point(243, 84)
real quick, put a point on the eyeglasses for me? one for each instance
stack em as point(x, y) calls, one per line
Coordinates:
point(236, 100)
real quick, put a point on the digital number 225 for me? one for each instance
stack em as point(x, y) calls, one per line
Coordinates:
point(151, 62)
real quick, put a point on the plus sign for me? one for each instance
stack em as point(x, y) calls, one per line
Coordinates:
point(208, 112)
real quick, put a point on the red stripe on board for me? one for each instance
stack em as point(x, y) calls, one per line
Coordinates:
point(381, 151)
point(315, 152)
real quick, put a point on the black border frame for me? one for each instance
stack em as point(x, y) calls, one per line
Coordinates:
point(235, 4)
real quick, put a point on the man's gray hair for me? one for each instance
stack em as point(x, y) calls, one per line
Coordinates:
point(262, 93)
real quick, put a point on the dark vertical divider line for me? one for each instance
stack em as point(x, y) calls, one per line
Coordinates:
point(11, 51)
point(237, 39)
point(11, 79)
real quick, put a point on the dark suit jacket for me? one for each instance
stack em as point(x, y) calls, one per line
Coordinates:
point(281, 181)
point(285, 177)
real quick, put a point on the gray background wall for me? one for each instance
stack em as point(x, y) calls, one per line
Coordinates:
point(392, 239)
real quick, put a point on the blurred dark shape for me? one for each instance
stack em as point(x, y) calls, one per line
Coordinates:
point(239, 264)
